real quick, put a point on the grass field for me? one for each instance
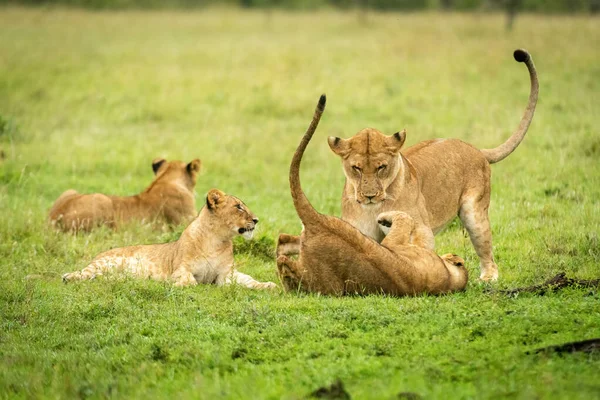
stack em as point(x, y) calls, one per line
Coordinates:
point(87, 100)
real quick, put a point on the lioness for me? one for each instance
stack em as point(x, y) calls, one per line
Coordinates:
point(169, 198)
point(336, 258)
point(432, 181)
point(202, 254)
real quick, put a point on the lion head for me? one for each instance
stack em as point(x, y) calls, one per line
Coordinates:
point(232, 212)
point(176, 172)
point(371, 162)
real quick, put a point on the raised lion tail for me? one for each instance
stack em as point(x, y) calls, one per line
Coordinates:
point(501, 152)
point(303, 207)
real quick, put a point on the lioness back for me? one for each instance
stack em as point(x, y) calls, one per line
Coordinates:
point(168, 199)
point(456, 166)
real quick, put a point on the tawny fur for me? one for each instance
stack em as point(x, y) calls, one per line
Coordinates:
point(336, 258)
point(203, 253)
point(169, 199)
point(432, 181)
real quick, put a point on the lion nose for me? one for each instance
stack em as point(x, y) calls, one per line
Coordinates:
point(370, 197)
point(255, 220)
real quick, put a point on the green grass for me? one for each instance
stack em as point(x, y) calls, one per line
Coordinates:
point(87, 100)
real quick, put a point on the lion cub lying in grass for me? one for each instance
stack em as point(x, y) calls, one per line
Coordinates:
point(336, 258)
point(203, 253)
point(169, 198)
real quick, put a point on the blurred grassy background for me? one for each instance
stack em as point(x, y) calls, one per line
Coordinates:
point(88, 99)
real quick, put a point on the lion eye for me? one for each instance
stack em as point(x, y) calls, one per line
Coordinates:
point(381, 167)
point(357, 169)
point(239, 207)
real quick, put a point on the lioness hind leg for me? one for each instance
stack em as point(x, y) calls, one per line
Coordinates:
point(288, 245)
point(474, 216)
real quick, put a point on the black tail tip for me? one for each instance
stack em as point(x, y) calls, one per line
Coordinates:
point(322, 101)
point(521, 55)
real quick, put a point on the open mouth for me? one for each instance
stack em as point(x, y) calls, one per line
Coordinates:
point(246, 233)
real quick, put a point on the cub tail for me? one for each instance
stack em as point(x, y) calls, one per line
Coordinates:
point(303, 207)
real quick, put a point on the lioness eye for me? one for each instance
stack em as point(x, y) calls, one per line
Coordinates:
point(381, 167)
point(239, 207)
point(356, 168)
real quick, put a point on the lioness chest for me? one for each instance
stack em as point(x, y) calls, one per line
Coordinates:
point(210, 269)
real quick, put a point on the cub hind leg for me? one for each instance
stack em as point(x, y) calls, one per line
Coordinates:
point(289, 274)
point(90, 272)
point(288, 245)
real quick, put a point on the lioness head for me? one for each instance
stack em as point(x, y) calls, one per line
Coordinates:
point(371, 162)
point(176, 172)
point(232, 212)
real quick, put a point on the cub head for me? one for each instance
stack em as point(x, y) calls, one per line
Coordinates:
point(176, 172)
point(371, 162)
point(232, 212)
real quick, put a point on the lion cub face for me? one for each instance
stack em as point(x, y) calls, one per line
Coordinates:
point(232, 212)
point(176, 172)
point(371, 163)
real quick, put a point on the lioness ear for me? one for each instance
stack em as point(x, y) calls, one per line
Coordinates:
point(156, 163)
point(396, 141)
point(214, 199)
point(338, 146)
point(193, 167)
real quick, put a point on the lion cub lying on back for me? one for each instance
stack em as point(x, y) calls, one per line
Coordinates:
point(336, 258)
point(169, 198)
point(203, 253)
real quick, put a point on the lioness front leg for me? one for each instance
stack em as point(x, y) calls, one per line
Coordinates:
point(288, 245)
point(474, 216)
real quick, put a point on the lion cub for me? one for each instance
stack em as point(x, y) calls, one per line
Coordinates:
point(203, 253)
point(169, 199)
point(336, 258)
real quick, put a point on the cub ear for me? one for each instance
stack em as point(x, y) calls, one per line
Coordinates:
point(193, 167)
point(338, 145)
point(156, 163)
point(396, 141)
point(214, 199)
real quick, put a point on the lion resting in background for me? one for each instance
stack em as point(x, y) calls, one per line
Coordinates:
point(202, 254)
point(168, 199)
point(336, 258)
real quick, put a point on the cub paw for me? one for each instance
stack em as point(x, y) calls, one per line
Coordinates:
point(288, 245)
point(268, 285)
point(454, 260)
point(70, 276)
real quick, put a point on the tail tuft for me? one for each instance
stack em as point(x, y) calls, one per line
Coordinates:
point(322, 101)
point(521, 55)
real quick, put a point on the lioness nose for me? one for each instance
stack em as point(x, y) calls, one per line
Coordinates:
point(370, 197)
point(255, 220)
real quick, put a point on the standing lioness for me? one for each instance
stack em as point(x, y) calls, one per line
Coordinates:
point(432, 181)
point(169, 198)
point(203, 253)
point(335, 258)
